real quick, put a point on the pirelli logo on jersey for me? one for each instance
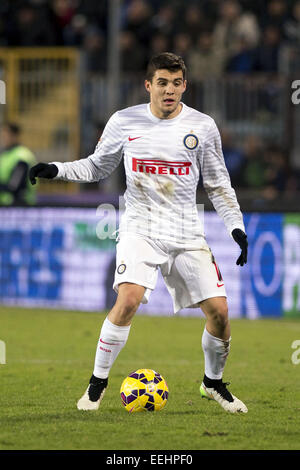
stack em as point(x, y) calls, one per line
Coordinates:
point(160, 167)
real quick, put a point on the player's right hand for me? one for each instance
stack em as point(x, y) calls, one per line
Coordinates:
point(42, 170)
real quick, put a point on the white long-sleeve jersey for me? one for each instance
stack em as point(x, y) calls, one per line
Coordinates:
point(163, 159)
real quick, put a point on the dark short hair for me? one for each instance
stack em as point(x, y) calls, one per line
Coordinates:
point(165, 60)
point(13, 128)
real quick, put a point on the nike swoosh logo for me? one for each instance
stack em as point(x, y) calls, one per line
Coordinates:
point(133, 138)
point(220, 285)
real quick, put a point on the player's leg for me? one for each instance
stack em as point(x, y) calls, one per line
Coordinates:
point(195, 281)
point(137, 262)
point(115, 329)
point(113, 336)
point(217, 321)
point(216, 336)
point(216, 345)
point(128, 300)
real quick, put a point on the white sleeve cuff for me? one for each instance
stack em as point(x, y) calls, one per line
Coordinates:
point(60, 167)
point(241, 227)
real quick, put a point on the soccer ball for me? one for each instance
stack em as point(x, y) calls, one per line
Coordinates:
point(144, 390)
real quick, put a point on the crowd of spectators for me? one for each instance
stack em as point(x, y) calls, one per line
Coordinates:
point(213, 36)
point(260, 167)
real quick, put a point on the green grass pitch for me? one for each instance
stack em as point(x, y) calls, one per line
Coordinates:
point(49, 360)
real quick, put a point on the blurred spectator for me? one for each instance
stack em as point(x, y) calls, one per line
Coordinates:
point(277, 169)
point(234, 158)
point(95, 12)
point(253, 174)
point(15, 161)
point(205, 60)
point(159, 43)
point(289, 56)
point(132, 54)
point(257, 8)
point(74, 33)
point(292, 185)
point(275, 15)
point(31, 27)
point(62, 12)
point(242, 60)
point(182, 45)
point(138, 21)
point(212, 8)
point(165, 20)
point(233, 25)
point(95, 51)
point(291, 26)
point(266, 55)
point(194, 22)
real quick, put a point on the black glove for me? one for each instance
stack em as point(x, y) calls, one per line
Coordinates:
point(42, 170)
point(241, 238)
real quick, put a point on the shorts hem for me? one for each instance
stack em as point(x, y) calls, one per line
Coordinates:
point(134, 281)
point(193, 305)
point(146, 296)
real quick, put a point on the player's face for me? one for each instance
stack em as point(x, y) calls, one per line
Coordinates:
point(165, 90)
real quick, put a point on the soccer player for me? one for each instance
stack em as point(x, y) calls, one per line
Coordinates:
point(165, 144)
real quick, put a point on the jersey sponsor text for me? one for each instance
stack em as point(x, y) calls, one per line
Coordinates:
point(160, 167)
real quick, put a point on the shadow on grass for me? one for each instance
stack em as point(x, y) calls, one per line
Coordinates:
point(189, 412)
point(111, 416)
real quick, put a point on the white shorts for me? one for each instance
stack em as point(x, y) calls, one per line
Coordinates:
point(190, 273)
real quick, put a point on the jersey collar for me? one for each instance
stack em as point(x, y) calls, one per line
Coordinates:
point(176, 118)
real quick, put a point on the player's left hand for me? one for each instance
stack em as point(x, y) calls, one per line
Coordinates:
point(241, 239)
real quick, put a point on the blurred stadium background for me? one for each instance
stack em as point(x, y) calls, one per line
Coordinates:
point(69, 64)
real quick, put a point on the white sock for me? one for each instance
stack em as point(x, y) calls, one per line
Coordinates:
point(215, 351)
point(112, 339)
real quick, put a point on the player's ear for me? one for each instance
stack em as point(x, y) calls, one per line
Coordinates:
point(184, 85)
point(147, 85)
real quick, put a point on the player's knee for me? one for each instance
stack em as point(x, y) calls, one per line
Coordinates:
point(129, 306)
point(131, 303)
point(219, 316)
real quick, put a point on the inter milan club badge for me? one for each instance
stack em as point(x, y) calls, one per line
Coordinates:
point(191, 141)
point(121, 268)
